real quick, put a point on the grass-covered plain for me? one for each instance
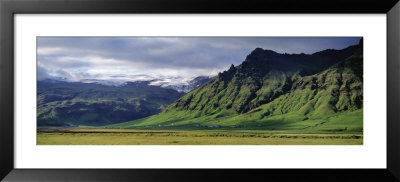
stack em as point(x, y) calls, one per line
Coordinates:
point(97, 136)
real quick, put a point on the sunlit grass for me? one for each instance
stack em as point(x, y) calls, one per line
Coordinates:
point(80, 136)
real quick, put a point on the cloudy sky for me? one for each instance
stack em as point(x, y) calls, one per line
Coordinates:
point(171, 59)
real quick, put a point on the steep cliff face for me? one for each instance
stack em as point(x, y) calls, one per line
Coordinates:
point(334, 90)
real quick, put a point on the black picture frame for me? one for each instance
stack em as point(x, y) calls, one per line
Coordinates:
point(8, 8)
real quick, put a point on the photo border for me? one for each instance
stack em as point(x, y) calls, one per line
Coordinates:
point(9, 8)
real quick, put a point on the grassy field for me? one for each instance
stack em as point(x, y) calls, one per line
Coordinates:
point(97, 136)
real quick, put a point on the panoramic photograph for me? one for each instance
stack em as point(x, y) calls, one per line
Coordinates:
point(199, 90)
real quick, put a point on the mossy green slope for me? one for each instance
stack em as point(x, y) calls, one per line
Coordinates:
point(274, 92)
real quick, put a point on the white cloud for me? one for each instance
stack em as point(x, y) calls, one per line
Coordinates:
point(49, 50)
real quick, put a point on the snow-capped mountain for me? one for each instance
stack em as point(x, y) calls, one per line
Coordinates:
point(181, 85)
point(191, 85)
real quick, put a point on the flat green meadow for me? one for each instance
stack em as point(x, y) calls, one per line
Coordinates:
point(96, 136)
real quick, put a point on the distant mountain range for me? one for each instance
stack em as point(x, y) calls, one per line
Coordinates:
point(98, 102)
point(270, 91)
point(61, 103)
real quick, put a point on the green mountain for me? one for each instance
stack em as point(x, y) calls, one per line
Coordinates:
point(321, 92)
point(61, 103)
